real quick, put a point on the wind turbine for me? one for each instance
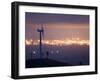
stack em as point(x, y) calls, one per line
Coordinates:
point(41, 36)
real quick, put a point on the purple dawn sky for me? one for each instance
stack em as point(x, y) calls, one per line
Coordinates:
point(57, 26)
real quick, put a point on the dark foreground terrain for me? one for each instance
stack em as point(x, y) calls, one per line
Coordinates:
point(44, 63)
point(72, 55)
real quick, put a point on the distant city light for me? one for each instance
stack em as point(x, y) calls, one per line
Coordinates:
point(52, 52)
point(34, 52)
point(57, 51)
point(72, 41)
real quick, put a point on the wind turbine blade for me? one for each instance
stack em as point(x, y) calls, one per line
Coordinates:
point(42, 32)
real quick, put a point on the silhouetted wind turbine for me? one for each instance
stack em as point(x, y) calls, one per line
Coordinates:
point(41, 35)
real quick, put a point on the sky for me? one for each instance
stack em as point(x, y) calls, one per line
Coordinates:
point(56, 26)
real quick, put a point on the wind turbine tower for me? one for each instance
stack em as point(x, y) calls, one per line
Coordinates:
point(41, 35)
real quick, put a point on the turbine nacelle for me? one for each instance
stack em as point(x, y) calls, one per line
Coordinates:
point(41, 30)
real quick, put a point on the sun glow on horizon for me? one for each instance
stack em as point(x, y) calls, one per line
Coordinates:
point(76, 41)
